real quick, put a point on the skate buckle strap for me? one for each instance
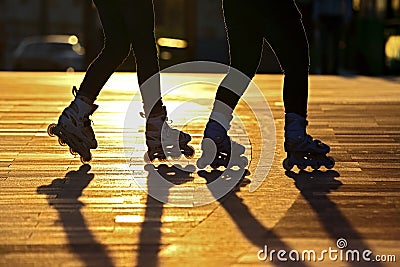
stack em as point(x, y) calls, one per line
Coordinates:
point(74, 90)
point(165, 119)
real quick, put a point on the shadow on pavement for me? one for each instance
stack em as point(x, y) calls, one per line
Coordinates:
point(63, 195)
point(314, 187)
point(150, 234)
point(248, 224)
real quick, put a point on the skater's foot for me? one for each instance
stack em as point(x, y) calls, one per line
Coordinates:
point(219, 150)
point(163, 141)
point(74, 128)
point(302, 150)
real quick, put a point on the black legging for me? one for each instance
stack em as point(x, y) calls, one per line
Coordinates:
point(126, 24)
point(279, 23)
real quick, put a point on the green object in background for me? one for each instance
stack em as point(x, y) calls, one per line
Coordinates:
point(370, 57)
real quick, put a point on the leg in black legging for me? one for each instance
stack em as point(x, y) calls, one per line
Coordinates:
point(245, 47)
point(280, 23)
point(115, 50)
point(139, 20)
point(285, 33)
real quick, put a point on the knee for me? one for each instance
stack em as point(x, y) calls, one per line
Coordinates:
point(144, 47)
point(116, 51)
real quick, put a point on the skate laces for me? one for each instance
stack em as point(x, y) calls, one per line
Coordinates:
point(74, 91)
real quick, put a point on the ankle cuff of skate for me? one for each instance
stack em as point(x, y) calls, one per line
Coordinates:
point(221, 119)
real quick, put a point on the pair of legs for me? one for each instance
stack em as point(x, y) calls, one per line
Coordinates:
point(279, 23)
point(126, 25)
point(248, 25)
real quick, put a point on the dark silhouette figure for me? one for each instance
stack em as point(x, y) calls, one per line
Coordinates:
point(127, 25)
point(279, 23)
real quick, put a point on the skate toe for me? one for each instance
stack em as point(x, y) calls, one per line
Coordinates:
point(330, 163)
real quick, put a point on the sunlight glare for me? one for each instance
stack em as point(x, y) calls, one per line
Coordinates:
point(392, 48)
point(170, 42)
point(73, 40)
point(129, 219)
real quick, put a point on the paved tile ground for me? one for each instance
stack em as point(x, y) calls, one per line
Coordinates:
point(57, 212)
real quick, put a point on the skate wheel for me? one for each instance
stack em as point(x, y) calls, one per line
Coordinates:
point(189, 152)
point(209, 153)
point(149, 168)
point(162, 159)
point(174, 154)
point(331, 163)
point(287, 165)
point(50, 129)
point(86, 160)
point(61, 142)
point(73, 152)
point(147, 159)
point(243, 162)
point(301, 166)
point(176, 157)
point(201, 164)
point(215, 166)
point(316, 166)
point(189, 169)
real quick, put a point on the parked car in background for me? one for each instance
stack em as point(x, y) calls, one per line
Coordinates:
point(49, 53)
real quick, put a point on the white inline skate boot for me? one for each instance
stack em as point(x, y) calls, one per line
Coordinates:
point(74, 128)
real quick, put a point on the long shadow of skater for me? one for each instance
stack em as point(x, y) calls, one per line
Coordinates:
point(314, 187)
point(251, 228)
point(158, 194)
point(63, 195)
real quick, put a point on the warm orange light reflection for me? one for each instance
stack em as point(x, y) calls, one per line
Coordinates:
point(73, 40)
point(170, 42)
point(392, 48)
point(129, 219)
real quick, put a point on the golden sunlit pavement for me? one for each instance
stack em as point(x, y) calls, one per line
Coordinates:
point(112, 212)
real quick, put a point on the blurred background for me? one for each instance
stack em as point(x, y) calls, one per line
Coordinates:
point(346, 36)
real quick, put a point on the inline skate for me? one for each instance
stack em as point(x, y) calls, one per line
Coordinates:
point(74, 128)
point(218, 148)
point(163, 141)
point(302, 150)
